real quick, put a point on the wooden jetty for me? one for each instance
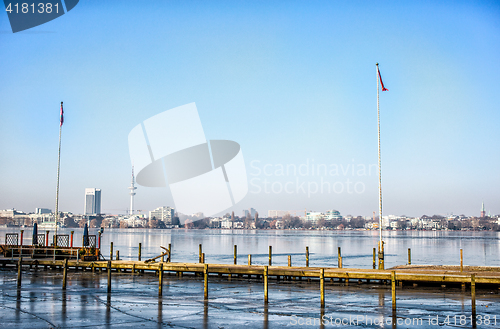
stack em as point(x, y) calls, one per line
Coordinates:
point(409, 275)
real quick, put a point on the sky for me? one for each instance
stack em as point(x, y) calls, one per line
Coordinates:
point(293, 82)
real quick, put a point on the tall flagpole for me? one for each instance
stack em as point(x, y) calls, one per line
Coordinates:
point(381, 243)
point(58, 170)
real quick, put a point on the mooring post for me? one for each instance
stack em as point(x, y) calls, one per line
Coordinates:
point(339, 262)
point(22, 233)
point(322, 286)
point(169, 252)
point(118, 255)
point(393, 289)
point(99, 241)
point(381, 265)
point(202, 257)
point(307, 256)
point(409, 256)
point(473, 295)
point(270, 255)
point(160, 279)
point(19, 271)
point(205, 279)
point(109, 276)
point(461, 260)
point(47, 238)
point(374, 258)
point(235, 254)
point(65, 273)
point(199, 252)
point(71, 240)
point(111, 251)
point(249, 259)
point(266, 271)
point(289, 260)
point(140, 250)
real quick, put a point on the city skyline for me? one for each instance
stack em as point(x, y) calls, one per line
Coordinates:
point(293, 83)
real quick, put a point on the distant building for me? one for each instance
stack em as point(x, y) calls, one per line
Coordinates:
point(41, 211)
point(92, 201)
point(277, 213)
point(165, 214)
point(314, 216)
point(252, 212)
point(245, 213)
point(333, 215)
point(483, 212)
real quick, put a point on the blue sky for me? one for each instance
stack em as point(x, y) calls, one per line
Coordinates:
point(293, 82)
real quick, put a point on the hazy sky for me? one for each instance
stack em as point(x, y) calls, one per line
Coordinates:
point(293, 82)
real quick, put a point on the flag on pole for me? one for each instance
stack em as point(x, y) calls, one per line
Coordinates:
point(379, 76)
point(62, 115)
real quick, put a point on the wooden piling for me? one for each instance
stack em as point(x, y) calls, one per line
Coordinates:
point(266, 271)
point(270, 255)
point(289, 261)
point(160, 279)
point(19, 271)
point(111, 251)
point(169, 252)
point(473, 295)
point(65, 274)
point(133, 268)
point(322, 286)
point(461, 260)
point(235, 254)
point(409, 256)
point(202, 257)
point(199, 253)
point(374, 258)
point(393, 289)
point(339, 261)
point(249, 259)
point(307, 256)
point(109, 275)
point(71, 240)
point(140, 252)
point(381, 264)
point(205, 279)
point(118, 255)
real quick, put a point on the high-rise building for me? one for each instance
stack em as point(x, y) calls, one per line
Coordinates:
point(252, 212)
point(483, 212)
point(92, 201)
point(245, 213)
point(132, 189)
point(165, 214)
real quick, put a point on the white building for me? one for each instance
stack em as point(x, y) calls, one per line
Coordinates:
point(314, 216)
point(92, 201)
point(277, 213)
point(333, 215)
point(165, 214)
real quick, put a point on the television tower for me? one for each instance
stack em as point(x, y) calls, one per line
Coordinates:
point(483, 212)
point(132, 189)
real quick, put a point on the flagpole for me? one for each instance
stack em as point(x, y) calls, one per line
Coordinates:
point(58, 171)
point(381, 243)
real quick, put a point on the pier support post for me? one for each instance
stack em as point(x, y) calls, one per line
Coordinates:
point(199, 253)
point(461, 260)
point(109, 276)
point(202, 257)
point(266, 271)
point(289, 260)
point(235, 254)
point(339, 261)
point(65, 274)
point(22, 233)
point(71, 239)
point(307, 256)
point(473, 296)
point(140, 251)
point(118, 255)
point(160, 279)
point(249, 259)
point(409, 256)
point(374, 258)
point(322, 286)
point(111, 251)
point(205, 279)
point(19, 271)
point(393, 290)
point(381, 265)
point(169, 252)
point(99, 241)
point(270, 255)
point(47, 238)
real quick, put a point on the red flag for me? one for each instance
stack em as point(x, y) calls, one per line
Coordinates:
point(380, 77)
point(62, 115)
